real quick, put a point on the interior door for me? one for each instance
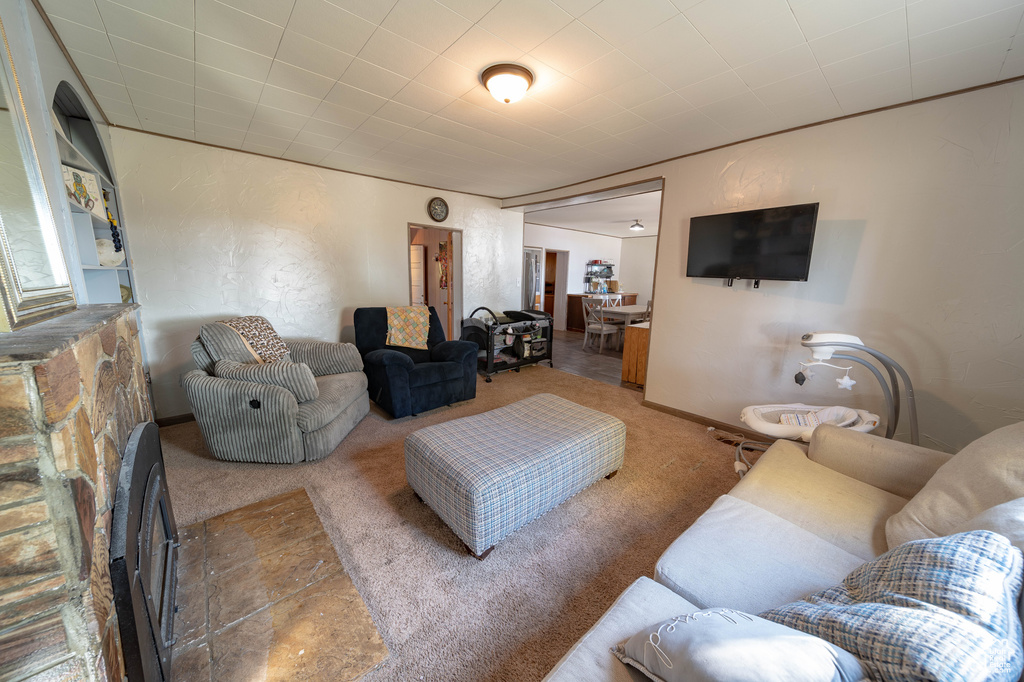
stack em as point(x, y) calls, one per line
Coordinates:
point(417, 290)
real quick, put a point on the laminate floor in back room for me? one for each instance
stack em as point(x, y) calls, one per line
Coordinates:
point(569, 356)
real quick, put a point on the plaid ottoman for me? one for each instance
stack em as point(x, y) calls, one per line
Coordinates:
point(491, 473)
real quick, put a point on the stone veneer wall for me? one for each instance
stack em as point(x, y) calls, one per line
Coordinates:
point(71, 391)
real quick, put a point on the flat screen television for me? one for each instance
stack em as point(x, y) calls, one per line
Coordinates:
point(768, 243)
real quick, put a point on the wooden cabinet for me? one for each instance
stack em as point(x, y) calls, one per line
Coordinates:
point(574, 312)
point(634, 353)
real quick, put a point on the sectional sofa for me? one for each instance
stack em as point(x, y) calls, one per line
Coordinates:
point(800, 522)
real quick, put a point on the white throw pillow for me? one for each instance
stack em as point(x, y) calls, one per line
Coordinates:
point(988, 472)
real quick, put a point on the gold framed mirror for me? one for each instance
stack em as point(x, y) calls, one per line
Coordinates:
point(34, 277)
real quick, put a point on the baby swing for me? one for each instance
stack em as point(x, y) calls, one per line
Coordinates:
point(798, 421)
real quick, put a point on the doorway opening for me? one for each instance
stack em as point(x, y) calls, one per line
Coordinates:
point(435, 273)
point(601, 244)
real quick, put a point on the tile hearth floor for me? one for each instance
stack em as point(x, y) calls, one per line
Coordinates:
point(263, 596)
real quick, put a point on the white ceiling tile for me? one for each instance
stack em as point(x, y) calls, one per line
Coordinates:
point(692, 129)
point(307, 136)
point(382, 128)
point(474, 10)
point(702, 62)
point(577, 8)
point(269, 128)
point(115, 107)
point(371, 78)
point(427, 23)
point(75, 11)
point(663, 107)
point(293, 78)
point(366, 139)
point(563, 95)
point(525, 23)
point(818, 106)
point(478, 48)
point(864, 37)
point(278, 117)
point(183, 110)
point(126, 120)
point(818, 18)
point(256, 141)
point(220, 118)
point(109, 89)
point(419, 96)
point(373, 11)
point(335, 114)
point(273, 152)
point(637, 91)
point(594, 109)
point(888, 58)
point(543, 75)
point(331, 25)
point(353, 98)
point(399, 113)
point(146, 30)
point(711, 90)
point(607, 72)
point(960, 70)
point(618, 22)
point(229, 84)
point(926, 16)
point(570, 49)
point(802, 85)
point(620, 123)
point(305, 153)
point(154, 126)
point(448, 77)
point(235, 27)
point(743, 31)
point(667, 45)
point(1013, 66)
point(396, 54)
point(151, 82)
point(785, 64)
point(178, 12)
point(82, 38)
point(274, 11)
point(147, 59)
point(981, 31)
point(90, 65)
point(342, 162)
point(879, 90)
point(296, 103)
point(211, 133)
point(237, 60)
point(739, 112)
point(311, 55)
point(164, 117)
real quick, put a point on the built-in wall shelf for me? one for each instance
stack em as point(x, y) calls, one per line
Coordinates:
point(80, 149)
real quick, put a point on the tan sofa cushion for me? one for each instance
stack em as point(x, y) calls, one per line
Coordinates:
point(846, 512)
point(986, 473)
point(740, 556)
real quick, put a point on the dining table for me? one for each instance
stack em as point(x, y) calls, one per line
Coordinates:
point(627, 313)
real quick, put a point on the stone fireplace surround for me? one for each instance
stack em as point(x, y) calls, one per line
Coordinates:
point(71, 391)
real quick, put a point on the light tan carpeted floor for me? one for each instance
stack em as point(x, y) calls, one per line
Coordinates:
point(443, 614)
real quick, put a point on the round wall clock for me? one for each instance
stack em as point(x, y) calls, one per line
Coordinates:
point(438, 209)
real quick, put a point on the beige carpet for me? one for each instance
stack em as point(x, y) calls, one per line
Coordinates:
point(443, 614)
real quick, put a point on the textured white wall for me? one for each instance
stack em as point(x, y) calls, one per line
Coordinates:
point(636, 271)
point(218, 233)
point(582, 247)
point(919, 250)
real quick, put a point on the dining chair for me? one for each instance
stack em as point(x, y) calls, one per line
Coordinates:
point(595, 324)
point(649, 311)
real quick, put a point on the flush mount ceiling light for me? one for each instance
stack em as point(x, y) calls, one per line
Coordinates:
point(507, 82)
point(636, 227)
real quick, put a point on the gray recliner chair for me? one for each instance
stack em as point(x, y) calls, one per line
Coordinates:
point(258, 399)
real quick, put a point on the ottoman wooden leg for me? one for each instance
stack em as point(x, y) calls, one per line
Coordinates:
point(612, 474)
point(483, 555)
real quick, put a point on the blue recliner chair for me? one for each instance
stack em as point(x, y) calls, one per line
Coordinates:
point(406, 381)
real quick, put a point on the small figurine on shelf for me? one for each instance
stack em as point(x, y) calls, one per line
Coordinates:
point(115, 234)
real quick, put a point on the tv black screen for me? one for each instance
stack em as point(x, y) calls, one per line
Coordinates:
point(769, 243)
